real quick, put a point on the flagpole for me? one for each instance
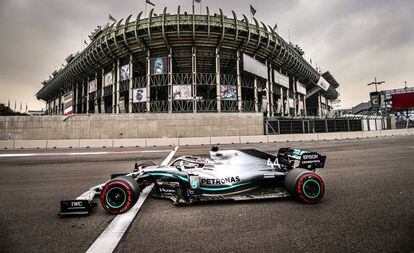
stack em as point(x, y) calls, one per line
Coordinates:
point(145, 15)
point(193, 7)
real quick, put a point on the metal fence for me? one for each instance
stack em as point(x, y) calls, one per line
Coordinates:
point(299, 126)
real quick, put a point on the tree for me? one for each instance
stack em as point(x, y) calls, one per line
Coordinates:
point(6, 111)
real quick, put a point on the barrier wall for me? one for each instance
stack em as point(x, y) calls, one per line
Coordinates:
point(130, 126)
point(151, 142)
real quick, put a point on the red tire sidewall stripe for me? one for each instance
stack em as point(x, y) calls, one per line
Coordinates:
point(299, 190)
point(129, 197)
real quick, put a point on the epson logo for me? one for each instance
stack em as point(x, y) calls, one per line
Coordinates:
point(310, 157)
point(76, 203)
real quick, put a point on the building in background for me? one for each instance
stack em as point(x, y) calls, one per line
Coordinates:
point(184, 63)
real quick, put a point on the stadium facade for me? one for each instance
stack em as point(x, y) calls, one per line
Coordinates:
point(186, 63)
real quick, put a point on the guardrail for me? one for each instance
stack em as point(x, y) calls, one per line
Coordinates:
point(153, 142)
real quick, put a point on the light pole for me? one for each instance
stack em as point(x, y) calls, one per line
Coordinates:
point(376, 84)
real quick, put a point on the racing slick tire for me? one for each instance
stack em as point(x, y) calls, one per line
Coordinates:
point(119, 194)
point(305, 185)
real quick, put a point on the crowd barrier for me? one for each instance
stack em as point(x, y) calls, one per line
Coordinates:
point(155, 142)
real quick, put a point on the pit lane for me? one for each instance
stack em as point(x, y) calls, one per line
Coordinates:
point(368, 205)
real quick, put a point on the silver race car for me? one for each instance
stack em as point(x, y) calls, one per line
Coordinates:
point(226, 175)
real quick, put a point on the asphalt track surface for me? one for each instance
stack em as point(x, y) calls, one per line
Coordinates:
point(368, 205)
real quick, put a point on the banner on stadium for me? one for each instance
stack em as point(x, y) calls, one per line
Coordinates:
point(96, 107)
point(121, 104)
point(281, 79)
point(125, 72)
point(286, 106)
point(291, 103)
point(254, 66)
point(301, 88)
point(375, 99)
point(182, 92)
point(92, 86)
point(279, 106)
point(68, 103)
point(228, 92)
point(159, 65)
point(109, 78)
point(403, 100)
point(323, 83)
point(139, 95)
point(301, 106)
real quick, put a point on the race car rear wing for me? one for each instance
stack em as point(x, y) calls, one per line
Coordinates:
point(312, 160)
point(307, 159)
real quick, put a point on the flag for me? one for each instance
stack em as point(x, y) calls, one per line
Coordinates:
point(275, 27)
point(149, 2)
point(198, 1)
point(110, 18)
point(26, 107)
point(8, 103)
point(252, 10)
point(84, 41)
point(310, 61)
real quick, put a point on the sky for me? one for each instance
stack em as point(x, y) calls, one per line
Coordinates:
point(356, 40)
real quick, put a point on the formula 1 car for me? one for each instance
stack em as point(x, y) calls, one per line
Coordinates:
point(226, 175)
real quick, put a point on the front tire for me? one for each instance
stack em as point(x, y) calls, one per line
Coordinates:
point(119, 194)
point(305, 185)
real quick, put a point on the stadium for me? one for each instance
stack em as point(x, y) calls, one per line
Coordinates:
point(187, 63)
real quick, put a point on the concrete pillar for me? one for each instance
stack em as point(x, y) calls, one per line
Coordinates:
point(256, 100)
point(271, 100)
point(130, 86)
point(218, 98)
point(319, 105)
point(87, 94)
point(268, 89)
point(83, 96)
point(170, 67)
point(239, 89)
point(295, 100)
point(95, 101)
point(287, 99)
point(113, 88)
point(148, 81)
point(281, 100)
point(304, 106)
point(194, 73)
point(102, 105)
point(116, 83)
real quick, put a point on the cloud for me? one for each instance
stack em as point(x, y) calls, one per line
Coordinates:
point(355, 40)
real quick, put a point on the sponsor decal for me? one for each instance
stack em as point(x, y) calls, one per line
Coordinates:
point(92, 86)
point(76, 204)
point(228, 92)
point(139, 95)
point(225, 180)
point(109, 78)
point(159, 65)
point(323, 83)
point(182, 92)
point(125, 70)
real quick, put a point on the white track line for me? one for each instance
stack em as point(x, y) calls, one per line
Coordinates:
point(111, 236)
point(83, 153)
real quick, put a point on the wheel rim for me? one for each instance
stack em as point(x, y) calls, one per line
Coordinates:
point(311, 188)
point(116, 197)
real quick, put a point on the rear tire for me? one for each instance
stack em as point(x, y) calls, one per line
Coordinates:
point(305, 185)
point(119, 194)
